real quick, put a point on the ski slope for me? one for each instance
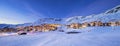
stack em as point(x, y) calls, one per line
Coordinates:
point(91, 36)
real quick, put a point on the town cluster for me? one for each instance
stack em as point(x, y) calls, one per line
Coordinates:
point(53, 27)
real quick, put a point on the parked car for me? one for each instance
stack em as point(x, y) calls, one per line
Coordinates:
point(73, 32)
point(22, 33)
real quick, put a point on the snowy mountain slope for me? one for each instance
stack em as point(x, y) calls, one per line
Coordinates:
point(25, 24)
point(113, 10)
point(104, 36)
point(100, 17)
point(110, 15)
point(7, 25)
point(47, 20)
point(78, 19)
point(104, 17)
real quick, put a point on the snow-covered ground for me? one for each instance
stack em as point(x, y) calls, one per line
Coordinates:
point(91, 36)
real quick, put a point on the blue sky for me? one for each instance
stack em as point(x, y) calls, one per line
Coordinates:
point(24, 11)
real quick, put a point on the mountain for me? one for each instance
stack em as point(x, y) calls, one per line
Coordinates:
point(49, 21)
point(110, 15)
point(104, 17)
point(113, 10)
point(7, 25)
point(89, 36)
point(25, 24)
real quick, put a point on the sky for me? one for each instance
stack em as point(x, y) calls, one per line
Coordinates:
point(25, 11)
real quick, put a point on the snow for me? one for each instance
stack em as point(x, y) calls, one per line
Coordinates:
point(7, 25)
point(103, 17)
point(115, 9)
point(89, 36)
point(8, 34)
point(49, 21)
point(98, 36)
point(99, 17)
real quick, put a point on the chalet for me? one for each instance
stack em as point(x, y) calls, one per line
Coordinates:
point(9, 30)
point(20, 28)
point(38, 28)
point(117, 23)
point(46, 27)
point(92, 23)
point(107, 24)
point(112, 23)
point(96, 23)
point(51, 27)
point(99, 23)
point(74, 25)
point(85, 24)
point(68, 26)
point(28, 28)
